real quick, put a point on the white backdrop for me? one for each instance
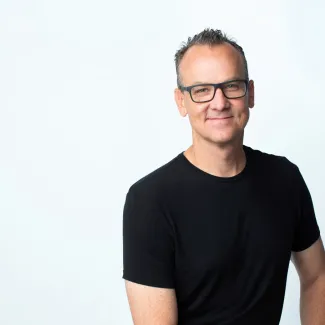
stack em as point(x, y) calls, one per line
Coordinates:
point(86, 109)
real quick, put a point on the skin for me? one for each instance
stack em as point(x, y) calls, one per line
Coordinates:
point(151, 306)
point(310, 265)
point(218, 133)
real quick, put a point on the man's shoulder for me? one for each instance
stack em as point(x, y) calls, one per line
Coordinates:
point(271, 161)
point(159, 178)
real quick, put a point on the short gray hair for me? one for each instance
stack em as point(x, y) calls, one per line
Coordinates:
point(207, 37)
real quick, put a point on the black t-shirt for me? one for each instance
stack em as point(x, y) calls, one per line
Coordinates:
point(223, 244)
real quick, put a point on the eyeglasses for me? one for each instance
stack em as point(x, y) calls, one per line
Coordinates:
point(203, 93)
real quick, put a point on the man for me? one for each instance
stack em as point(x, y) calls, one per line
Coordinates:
point(208, 237)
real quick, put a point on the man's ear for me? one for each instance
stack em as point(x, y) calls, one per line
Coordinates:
point(251, 94)
point(180, 101)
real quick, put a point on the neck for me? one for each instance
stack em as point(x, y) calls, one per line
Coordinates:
point(223, 161)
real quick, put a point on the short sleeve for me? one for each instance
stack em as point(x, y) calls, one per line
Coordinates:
point(148, 245)
point(306, 230)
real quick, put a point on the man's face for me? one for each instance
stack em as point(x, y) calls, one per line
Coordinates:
point(221, 120)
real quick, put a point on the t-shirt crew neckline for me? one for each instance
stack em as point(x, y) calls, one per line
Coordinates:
point(218, 178)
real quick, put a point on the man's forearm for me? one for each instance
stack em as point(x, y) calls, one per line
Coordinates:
point(312, 302)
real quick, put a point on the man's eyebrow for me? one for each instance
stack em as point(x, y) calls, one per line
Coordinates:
point(227, 80)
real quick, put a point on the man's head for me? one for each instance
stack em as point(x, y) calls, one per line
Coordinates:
point(219, 113)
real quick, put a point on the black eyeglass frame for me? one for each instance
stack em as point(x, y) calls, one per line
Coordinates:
point(216, 86)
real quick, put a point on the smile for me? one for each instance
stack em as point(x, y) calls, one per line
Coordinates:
point(219, 118)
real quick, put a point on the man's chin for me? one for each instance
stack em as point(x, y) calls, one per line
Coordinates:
point(225, 139)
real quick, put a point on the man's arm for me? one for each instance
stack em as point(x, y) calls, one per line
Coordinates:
point(150, 305)
point(310, 265)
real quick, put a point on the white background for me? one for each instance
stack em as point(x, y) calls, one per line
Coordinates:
point(86, 109)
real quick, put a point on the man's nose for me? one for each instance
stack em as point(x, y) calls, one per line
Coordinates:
point(219, 102)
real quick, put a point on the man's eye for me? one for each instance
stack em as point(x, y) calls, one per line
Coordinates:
point(201, 90)
point(232, 86)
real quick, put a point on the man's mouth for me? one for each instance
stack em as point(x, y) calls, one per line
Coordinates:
point(219, 118)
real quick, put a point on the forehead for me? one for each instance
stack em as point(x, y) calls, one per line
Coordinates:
point(217, 63)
